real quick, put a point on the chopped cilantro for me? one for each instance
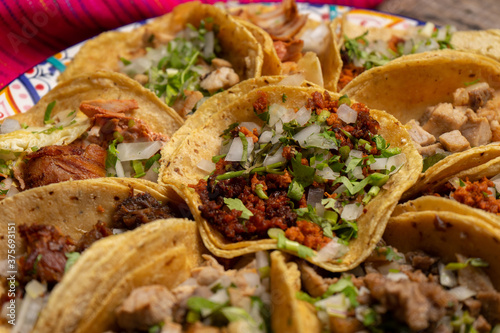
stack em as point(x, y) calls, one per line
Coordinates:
point(138, 169)
point(471, 83)
point(112, 156)
point(48, 112)
point(431, 160)
point(72, 258)
point(151, 161)
point(283, 98)
point(474, 262)
point(237, 204)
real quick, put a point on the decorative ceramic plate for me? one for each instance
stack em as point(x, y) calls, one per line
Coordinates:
point(25, 91)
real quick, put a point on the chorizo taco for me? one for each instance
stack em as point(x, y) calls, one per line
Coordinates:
point(184, 57)
point(296, 169)
point(300, 44)
point(453, 102)
point(95, 125)
point(434, 271)
point(106, 272)
point(59, 222)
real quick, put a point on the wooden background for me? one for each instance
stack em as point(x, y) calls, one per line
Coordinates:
point(463, 14)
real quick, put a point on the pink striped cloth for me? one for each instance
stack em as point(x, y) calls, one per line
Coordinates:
point(33, 30)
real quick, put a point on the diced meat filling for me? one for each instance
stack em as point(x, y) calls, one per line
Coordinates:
point(144, 208)
point(54, 164)
point(221, 78)
point(98, 231)
point(471, 120)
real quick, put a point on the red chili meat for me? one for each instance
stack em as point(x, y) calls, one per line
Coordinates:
point(476, 194)
point(308, 234)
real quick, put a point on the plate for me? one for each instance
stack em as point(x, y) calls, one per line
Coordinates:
point(25, 91)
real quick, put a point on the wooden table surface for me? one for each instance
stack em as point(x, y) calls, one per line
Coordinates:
point(463, 14)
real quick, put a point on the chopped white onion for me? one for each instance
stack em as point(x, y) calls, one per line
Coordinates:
point(261, 259)
point(276, 112)
point(151, 174)
point(427, 30)
point(336, 305)
point(493, 192)
point(250, 125)
point(235, 153)
point(119, 169)
point(327, 173)
point(208, 50)
point(206, 165)
point(447, 277)
point(332, 250)
point(302, 116)
point(137, 150)
point(356, 153)
point(315, 195)
point(252, 279)
point(288, 116)
point(461, 293)
point(352, 211)
point(397, 160)
point(138, 66)
point(314, 39)
point(265, 137)
point(397, 276)
point(320, 209)
point(292, 80)
point(455, 182)
point(28, 313)
point(277, 157)
point(358, 172)
point(347, 114)
point(340, 189)
point(35, 289)
point(386, 269)
point(278, 128)
point(379, 164)
point(496, 181)
point(117, 231)
point(220, 296)
point(302, 136)
point(9, 125)
point(319, 141)
point(13, 190)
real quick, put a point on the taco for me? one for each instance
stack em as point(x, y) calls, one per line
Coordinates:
point(73, 133)
point(267, 172)
point(183, 57)
point(301, 44)
point(59, 222)
point(453, 102)
point(434, 272)
point(107, 272)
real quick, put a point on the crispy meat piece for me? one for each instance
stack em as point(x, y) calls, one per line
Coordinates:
point(473, 195)
point(144, 208)
point(45, 259)
point(54, 164)
point(113, 106)
point(289, 50)
point(98, 231)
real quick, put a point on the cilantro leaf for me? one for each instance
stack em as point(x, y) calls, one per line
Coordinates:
point(237, 204)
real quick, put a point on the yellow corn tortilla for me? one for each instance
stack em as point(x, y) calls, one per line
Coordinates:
point(203, 143)
point(484, 42)
point(74, 207)
point(238, 46)
point(161, 252)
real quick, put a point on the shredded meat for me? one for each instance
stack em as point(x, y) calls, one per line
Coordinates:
point(54, 164)
point(290, 50)
point(476, 194)
point(98, 231)
point(45, 259)
point(144, 208)
point(114, 106)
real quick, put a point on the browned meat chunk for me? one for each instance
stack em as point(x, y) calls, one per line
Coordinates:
point(473, 278)
point(114, 106)
point(98, 231)
point(473, 306)
point(145, 307)
point(454, 141)
point(444, 119)
point(221, 78)
point(345, 325)
point(184, 106)
point(430, 150)
point(289, 50)
point(420, 260)
point(45, 259)
point(54, 164)
point(481, 325)
point(479, 95)
point(419, 135)
point(144, 208)
point(314, 284)
point(495, 131)
point(490, 306)
point(417, 304)
point(476, 130)
point(201, 328)
point(461, 97)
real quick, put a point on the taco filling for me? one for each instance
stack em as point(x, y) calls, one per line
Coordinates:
point(411, 292)
point(363, 52)
point(304, 178)
point(186, 70)
point(109, 144)
point(211, 300)
point(471, 120)
point(50, 253)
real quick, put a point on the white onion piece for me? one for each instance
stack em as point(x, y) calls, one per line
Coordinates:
point(278, 128)
point(336, 305)
point(9, 125)
point(332, 250)
point(347, 114)
point(220, 296)
point(208, 50)
point(379, 164)
point(119, 169)
point(386, 269)
point(340, 189)
point(276, 139)
point(292, 80)
point(288, 116)
point(362, 311)
point(117, 231)
point(138, 65)
point(193, 282)
point(493, 192)
point(35, 289)
point(261, 259)
point(235, 153)
point(253, 279)
point(356, 153)
point(276, 112)
point(302, 136)
point(151, 174)
point(250, 125)
point(447, 277)
point(265, 137)
point(427, 30)
point(302, 116)
point(28, 313)
point(314, 39)
point(496, 181)
point(358, 172)
point(461, 293)
point(320, 209)
point(205, 165)
point(352, 211)
point(315, 195)
point(480, 85)
point(455, 182)
point(397, 160)
point(327, 173)
point(12, 191)
point(137, 150)
point(397, 276)
point(318, 141)
point(277, 157)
